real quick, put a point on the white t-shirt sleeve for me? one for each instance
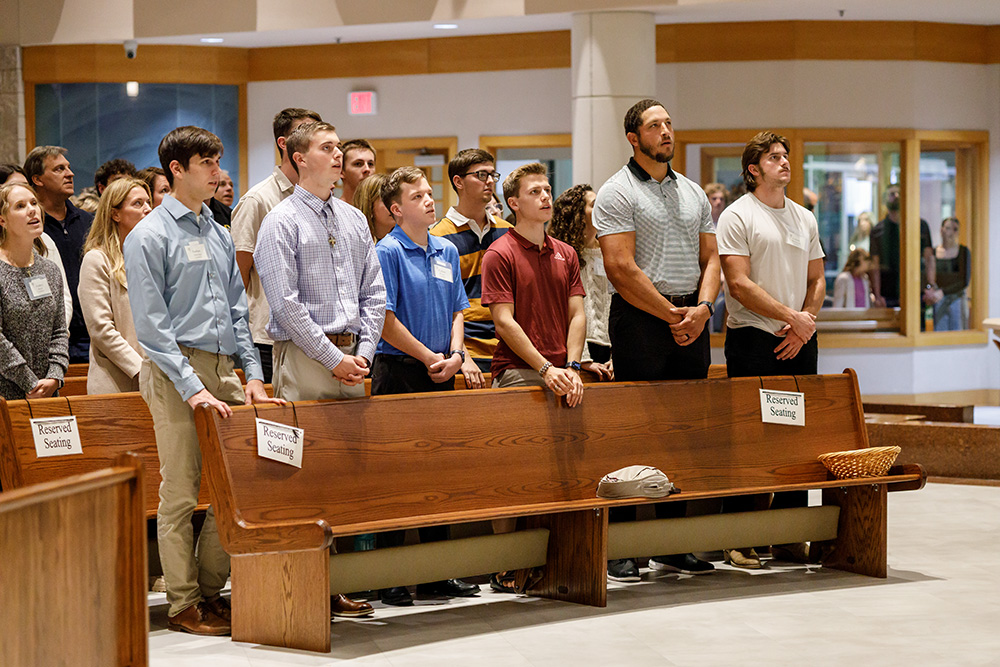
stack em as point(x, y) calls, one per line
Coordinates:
point(815, 248)
point(613, 210)
point(731, 234)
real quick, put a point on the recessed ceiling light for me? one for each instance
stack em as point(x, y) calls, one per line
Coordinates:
point(132, 88)
point(446, 26)
point(211, 40)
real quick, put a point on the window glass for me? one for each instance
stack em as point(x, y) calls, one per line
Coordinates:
point(97, 122)
point(853, 189)
point(944, 206)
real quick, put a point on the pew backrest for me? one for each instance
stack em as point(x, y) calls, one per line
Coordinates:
point(109, 425)
point(419, 459)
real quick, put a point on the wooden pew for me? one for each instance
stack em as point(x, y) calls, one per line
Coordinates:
point(407, 461)
point(110, 425)
point(73, 567)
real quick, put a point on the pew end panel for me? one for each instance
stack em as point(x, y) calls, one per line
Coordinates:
point(76, 548)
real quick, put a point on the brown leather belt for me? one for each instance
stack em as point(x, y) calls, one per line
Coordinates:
point(342, 339)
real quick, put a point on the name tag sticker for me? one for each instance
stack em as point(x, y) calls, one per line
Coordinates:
point(796, 240)
point(38, 287)
point(279, 442)
point(196, 251)
point(783, 407)
point(56, 436)
point(442, 270)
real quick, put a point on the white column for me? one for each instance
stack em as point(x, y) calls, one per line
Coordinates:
point(614, 66)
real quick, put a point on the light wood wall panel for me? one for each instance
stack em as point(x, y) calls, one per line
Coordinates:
point(697, 42)
point(827, 40)
point(106, 63)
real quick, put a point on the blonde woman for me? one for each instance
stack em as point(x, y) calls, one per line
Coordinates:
point(114, 348)
point(368, 199)
point(34, 338)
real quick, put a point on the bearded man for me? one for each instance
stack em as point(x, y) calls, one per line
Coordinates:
point(658, 240)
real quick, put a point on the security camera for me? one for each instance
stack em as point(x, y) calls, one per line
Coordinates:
point(131, 46)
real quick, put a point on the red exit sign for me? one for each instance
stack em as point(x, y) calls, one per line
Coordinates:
point(362, 103)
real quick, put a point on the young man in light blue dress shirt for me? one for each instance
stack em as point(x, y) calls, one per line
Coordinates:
point(190, 313)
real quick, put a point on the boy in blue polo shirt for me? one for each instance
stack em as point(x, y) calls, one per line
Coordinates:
point(421, 347)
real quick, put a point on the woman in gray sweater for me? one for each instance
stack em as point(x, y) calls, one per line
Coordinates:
point(34, 340)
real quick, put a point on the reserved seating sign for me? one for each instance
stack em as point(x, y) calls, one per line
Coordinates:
point(783, 407)
point(56, 436)
point(279, 442)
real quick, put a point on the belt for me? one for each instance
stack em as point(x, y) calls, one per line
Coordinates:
point(342, 339)
point(683, 300)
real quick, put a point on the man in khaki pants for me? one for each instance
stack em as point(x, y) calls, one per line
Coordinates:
point(319, 271)
point(190, 313)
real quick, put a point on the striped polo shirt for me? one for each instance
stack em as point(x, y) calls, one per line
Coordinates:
point(478, 322)
point(667, 218)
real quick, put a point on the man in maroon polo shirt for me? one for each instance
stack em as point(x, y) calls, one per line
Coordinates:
point(531, 283)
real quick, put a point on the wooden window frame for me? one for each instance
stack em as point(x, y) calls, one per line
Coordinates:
point(974, 204)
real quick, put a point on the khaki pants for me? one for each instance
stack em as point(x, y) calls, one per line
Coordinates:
point(299, 377)
point(192, 572)
point(518, 377)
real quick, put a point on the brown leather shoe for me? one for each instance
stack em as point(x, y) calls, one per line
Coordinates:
point(220, 607)
point(198, 619)
point(345, 607)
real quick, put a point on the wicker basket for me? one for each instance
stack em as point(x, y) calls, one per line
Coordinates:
point(870, 462)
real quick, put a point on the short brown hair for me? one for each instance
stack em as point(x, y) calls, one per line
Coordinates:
point(284, 119)
point(755, 149)
point(357, 145)
point(299, 140)
point(512, 184)
point(633, 117)
point(34, 164)
point(392, 191)
point(183, 143)
point(465, 159)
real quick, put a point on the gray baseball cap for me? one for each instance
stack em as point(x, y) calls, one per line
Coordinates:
point(636, 482)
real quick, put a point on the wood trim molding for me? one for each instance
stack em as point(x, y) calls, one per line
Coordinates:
point(106, 63)
point(530, 50)
point(494, 143)
point(828, 40)
point(680, 43)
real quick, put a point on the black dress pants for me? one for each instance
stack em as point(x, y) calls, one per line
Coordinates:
point(643, 349)
point(750, 353)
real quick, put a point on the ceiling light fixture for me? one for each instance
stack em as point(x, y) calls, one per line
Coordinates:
point(212, 40)
point(132, 88)
point(446, 26)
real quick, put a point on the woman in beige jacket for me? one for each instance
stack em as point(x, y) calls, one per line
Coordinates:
point(114, 350)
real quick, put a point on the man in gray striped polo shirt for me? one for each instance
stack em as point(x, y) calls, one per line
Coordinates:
point(658, 240)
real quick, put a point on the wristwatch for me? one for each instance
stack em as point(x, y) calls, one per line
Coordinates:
point(710, 305)
point(575, 365)
point(460, 353)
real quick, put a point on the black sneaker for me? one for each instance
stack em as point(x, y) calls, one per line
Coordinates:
point(681, 563)
point(623, 569)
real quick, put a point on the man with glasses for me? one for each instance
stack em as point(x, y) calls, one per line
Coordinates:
point(474, 177)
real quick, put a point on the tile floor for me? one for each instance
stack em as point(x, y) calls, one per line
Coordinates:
point(939, 606)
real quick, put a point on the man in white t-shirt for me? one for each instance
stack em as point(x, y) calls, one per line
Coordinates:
point(773, 263)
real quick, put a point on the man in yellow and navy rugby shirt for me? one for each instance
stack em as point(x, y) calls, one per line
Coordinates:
point(474, 176)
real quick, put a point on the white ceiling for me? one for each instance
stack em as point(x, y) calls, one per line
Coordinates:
point(985, 12)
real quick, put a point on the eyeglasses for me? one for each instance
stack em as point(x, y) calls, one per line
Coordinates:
point(484, 175)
